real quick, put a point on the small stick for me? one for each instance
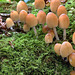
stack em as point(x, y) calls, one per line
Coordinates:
point(64, 34)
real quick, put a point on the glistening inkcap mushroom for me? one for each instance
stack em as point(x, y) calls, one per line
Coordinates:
point(61, 10)
point(64, 24)
point(52, 22)
point(32, 21)
point(72, 73)
point(9, 23)
point(39, 4)
point(21, 6)
point(41, 16)
point(57, 48)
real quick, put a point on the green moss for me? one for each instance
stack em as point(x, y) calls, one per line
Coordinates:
point(31, 55)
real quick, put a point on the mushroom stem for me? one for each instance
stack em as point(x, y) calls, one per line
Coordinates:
point(12, 28)
point(55, 32)
point(47, 44)
point(42, 25)
point(19, 24)
point(74, 68)
point(65, 59)
point(64, 34)
point(35, 32)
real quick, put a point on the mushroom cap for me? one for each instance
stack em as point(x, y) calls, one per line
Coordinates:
point(73, 38)
point(48, 38)
point(22, 16)
point(54, 5)
point(31, 20)
point(72, 59)
point(9, 22)
point(63, 21)
point(51, 32)
point(14, 15)
point(61, 10)
point(21, 6)
point(41, 16)
point(51, 20)
point(45, 29)
point(39, 4)
point(72, 73)
point(26, 28)
point(57, 48)
point(66, 49)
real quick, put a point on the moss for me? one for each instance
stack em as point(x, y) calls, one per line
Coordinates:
point(31, 56)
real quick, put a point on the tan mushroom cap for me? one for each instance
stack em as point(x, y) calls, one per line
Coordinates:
point(57, 48)
point(26, 28)
point(72, 59)
point(14, 15)
point(72, 73)
point(73, 38)
point(61, 10)
point(51, 20)
point(64, 21)
point(21, 6)
point(48, 38)
point(9, 22)
point(31, 20)
point(54, 5)
point(22, 16)
point(41, 16)
point(66, 49)
point(45, 29)
point(51, 32)
point(39, 4)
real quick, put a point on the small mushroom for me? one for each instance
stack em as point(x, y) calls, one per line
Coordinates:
point(26, 28)
point(21, 6)
point(64, 24)
point(52, 22)
point(41, 16)
point(45, 29)
point(9, 23)
point(73, 38)
point(32, 21)
point(66, 49)
point(51, 32)
point(57, 48)
point(54, 5)
point(22, 16)
point(48, 38)
point(61, 10)
point(72, 73)
point(72, 59)
point(39, 4)
point(14, 15)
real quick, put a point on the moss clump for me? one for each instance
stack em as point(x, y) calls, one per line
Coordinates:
point(31, 56)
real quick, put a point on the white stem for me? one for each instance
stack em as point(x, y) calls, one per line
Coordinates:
point(56, 35)
point(19, 24)
point(12, 28)
point(64, 34)
point(35, 32)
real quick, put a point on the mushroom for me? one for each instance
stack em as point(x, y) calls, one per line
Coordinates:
point(21, 6)
point(61, 10)
point(41, 16)
point(45, 29)
point(9, 23)
point(51, 32)
point(64, 24)
point(66, 49)
point(39, 4)
point(73, 38)
point(57, 48)
point(48, 38)
point(54, 5)
point(72, 59)
point(22, 16)
point(32, 21)
point(26, 28)
point(14, 15)
point(72, 73)
point(52, 22)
